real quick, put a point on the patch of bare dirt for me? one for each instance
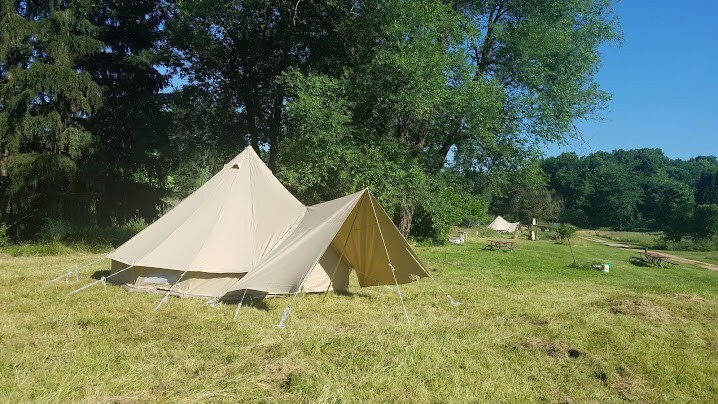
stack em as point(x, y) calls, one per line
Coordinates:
point(627, 385)
point(692, 298)
point(554, 349)
point(640, 308)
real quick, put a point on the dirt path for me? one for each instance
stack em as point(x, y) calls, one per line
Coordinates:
point(635, 248)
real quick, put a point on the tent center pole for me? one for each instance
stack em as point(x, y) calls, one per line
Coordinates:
point(344, 247)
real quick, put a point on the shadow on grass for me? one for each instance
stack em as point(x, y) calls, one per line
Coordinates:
point(638, 262)
point(258, 303)
point(99, 274)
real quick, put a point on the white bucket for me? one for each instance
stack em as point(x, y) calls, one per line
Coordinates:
point(605, 268)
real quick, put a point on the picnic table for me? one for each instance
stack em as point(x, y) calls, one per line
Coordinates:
point(499, 245)
point(653, 258)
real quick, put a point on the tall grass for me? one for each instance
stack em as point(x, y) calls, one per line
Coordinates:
point(657, 241)
point(82, 241)
point(530, 329)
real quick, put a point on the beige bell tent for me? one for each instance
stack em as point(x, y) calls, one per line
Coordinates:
point(501, 224)
point(243, 232)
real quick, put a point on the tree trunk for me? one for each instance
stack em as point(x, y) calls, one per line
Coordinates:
point(275, 132)
point(403, 213)
point(252, 124)
point(3, 181)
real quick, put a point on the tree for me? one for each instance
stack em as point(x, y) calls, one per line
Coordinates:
point(527, 196)
point(707, 188)
point(705, 221)
point(524, 77)
point(565, 232)
point(45, 96)
point(125, 177)
point(236, 52)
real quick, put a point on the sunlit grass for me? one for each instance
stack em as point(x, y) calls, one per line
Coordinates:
point(641, 239)
point(530, 329)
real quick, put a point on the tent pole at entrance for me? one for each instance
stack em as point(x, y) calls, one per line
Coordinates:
point(393, 270)
point(341, 256)
point(164, 299)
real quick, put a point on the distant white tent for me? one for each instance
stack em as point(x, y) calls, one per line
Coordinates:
point(502, 225)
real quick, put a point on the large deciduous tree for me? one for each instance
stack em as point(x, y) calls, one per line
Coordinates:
point(470, 86)
point(236, 52)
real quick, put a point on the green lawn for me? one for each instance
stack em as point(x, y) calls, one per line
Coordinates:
point(710, 257)
point(531, 329)
point(641, 239)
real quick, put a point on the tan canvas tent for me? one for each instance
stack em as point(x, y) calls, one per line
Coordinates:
point(242, 231)
point(501, 224)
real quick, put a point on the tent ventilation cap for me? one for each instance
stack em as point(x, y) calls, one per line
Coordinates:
point(235, 166)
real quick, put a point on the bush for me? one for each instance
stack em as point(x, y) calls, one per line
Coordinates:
point(53, 230)
point(566, 230)
point(692, 244)
point(38, 250)
point(4, 238)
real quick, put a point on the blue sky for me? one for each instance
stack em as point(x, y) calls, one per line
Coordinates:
point(664, 81)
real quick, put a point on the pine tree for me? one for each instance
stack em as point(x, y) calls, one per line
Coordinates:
point(44, 97)
point(132, 126)
point(707, 189)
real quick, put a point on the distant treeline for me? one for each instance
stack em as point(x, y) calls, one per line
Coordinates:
point(637, 189)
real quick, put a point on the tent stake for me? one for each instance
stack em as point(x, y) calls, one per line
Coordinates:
point(239, 305)
point(164, 299)
point(77, 269)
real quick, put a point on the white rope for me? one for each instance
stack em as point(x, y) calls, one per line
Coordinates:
point(285, 315)
point(239, 305)
point(213, 301)
point(393, 270)
point(102, 279)
point(164, 299)
point(287, 310)
point(454, 303)
point(390, 288)
point(77, 269)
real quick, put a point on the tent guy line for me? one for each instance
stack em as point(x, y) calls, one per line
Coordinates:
point(388, 258)
point(77, 269)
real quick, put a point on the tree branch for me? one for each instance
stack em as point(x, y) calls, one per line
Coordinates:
point(483, 59)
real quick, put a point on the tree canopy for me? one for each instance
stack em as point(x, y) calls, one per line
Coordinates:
point(639, 189)
point(110, 110)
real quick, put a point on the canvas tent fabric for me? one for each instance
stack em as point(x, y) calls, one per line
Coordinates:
point(501, 224)
point(243, 231)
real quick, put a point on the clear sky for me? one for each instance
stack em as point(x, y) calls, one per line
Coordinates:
point(664, 81)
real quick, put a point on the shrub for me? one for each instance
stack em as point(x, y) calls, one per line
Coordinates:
point(4, 238)
point(53, 230)
point(566, 230)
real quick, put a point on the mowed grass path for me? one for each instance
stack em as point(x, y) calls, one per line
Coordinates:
point(530, 329)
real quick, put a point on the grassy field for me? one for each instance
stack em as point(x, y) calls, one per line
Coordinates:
point(710, 257)
point(654, 240)
point(641, 239)
point(531, 329)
